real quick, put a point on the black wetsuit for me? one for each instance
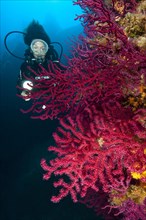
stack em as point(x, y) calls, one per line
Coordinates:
point(35, 65)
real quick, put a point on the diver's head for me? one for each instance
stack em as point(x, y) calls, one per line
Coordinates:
point(39, 49)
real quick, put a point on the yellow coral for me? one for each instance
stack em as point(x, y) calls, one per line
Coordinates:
point(141, 42)
point(118, 200)
point(139, 100)
point(119, 6)
point(134, 25)
point(100, 141)
point(142, 7)
point(135, 192)
point(139, 175)
point(136, 175)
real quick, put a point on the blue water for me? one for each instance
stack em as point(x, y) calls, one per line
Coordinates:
point(24, 195)
point(57, 17)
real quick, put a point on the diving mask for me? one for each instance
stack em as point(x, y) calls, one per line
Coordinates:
point(39, 48)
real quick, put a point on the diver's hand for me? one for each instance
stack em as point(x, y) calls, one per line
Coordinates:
point(25, 94)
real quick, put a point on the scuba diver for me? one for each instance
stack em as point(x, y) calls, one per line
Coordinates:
point(38, 55)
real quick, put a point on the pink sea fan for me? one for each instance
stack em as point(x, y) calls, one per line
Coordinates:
point(48, 96)
point(133, 211)
point(95, 73)
point(94, 147)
